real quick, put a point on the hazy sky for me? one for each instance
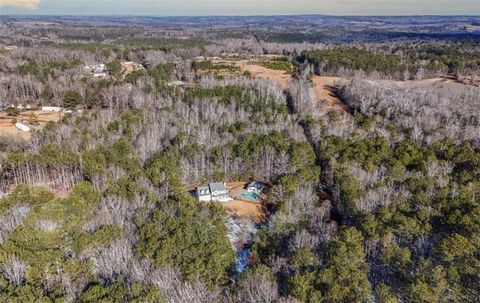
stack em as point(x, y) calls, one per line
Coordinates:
point(240, 7)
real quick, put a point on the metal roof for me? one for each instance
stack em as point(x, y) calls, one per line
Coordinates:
point(217, 186)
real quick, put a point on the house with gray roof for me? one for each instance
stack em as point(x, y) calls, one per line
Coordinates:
point(216, 192)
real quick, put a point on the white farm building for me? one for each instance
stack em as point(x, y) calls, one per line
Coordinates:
point(216, 192)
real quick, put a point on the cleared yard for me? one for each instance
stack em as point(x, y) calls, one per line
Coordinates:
point(9, 129)
point(242, 207)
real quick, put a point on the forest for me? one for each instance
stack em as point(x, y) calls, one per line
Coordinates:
point(375, 201)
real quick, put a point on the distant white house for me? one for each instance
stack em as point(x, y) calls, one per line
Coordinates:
point(22, 127)
point(216, 192)
point(52, 109)
point(97, 71)
point(255, 187)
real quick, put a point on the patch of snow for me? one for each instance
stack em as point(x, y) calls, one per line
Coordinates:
point(47, 225)
point(240, 234)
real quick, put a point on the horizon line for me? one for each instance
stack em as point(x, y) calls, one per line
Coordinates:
point(239, 15)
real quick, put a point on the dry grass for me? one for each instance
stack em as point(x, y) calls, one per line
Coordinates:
point(243, 209)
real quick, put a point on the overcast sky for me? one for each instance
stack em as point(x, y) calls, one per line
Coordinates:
point(240, 7)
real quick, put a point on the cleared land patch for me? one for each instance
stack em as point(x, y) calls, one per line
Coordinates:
point(240, 207)
point(7, 128)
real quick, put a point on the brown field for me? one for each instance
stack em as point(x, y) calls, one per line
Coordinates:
point(280, 77)
point(9, 129)
point(257, 71)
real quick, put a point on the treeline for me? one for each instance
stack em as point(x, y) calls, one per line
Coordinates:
point(403, 63)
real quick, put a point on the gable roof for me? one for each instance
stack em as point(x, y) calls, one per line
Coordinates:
point(217, 186)
point(203, 191)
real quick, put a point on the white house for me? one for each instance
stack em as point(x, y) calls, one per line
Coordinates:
point(216, 192)
point(97, 70)
point(203, 194)
point(255, 187)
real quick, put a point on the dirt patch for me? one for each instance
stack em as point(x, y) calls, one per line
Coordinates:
point(279, 76)
point(326, 90)
point(244, 209)
point(256, 71)
point(7, 128)
point(128, 67)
